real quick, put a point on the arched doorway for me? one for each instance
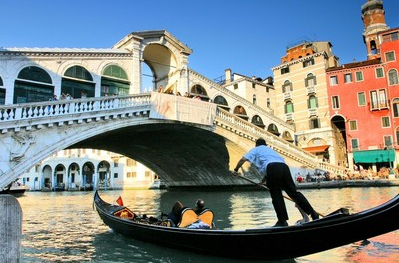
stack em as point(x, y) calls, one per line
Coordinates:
point(104, 178)
point(87, 176)
point(46, 183)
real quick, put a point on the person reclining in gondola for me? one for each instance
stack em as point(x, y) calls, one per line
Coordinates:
point(204, 214)
point(175, 215)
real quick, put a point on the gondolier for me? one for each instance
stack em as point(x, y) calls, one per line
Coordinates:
point(277, 176)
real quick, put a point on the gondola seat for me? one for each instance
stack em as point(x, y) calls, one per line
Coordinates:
point(206, 216)
point(188, 217)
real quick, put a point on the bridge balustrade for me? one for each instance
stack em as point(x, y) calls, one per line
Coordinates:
point(62, 107)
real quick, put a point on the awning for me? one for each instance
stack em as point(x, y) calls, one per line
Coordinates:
point(374, 156)
point(316, 149)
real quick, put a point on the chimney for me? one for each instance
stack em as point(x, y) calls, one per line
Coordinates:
point(227, 74)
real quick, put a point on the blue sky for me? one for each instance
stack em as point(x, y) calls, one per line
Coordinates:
point(249, 37)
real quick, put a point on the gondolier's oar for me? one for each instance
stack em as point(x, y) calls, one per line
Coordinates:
point(304, 215)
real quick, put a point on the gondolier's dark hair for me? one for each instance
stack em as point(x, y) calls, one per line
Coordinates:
point(260, 141)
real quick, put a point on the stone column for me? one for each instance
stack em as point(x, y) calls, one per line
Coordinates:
point(10, 229)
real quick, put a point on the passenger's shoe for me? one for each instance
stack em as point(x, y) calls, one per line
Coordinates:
point(281, 223)
point(314, 215)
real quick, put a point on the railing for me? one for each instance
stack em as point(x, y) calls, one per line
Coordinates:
point(284, 147)
point(63, 107)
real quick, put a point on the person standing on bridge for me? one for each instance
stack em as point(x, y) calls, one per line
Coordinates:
point(277, 177)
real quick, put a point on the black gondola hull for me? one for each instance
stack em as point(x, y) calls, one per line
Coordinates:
point(269, 243)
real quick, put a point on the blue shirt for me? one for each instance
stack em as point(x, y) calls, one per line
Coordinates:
point(261, 156)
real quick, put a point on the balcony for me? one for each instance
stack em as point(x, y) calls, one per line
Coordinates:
point(287, 96)
point(312, 112)
point(289, 116)
point(311, 90)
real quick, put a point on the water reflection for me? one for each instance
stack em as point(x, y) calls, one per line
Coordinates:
point(63, 227)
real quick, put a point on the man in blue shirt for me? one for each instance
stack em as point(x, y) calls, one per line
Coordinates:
point(277, 177)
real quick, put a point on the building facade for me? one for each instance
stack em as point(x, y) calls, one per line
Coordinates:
point(364, 95)
point(302, 99)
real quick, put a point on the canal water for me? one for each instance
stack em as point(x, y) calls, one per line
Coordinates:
point(63, 227)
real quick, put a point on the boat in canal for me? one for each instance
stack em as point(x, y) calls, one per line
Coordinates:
point(264, 243)
point(15, 189)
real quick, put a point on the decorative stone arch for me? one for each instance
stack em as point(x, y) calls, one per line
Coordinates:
point(272, 128)
point(104, 176)
point(241, 112)
point(33, 84)
point(257, 120)
point(114, 80)
point(221, 102)
point(198, 90)
point(287, 136)
point(164, 54)
point(88, 175)
point(60, 177)
point(47, 175)
point(73, 175)
point(78, 81)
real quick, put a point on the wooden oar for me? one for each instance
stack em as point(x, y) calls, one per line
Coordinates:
point(304, 215)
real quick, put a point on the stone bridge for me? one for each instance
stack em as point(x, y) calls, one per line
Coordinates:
point(187, 143)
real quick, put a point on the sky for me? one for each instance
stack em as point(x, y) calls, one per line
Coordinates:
point(247, 36)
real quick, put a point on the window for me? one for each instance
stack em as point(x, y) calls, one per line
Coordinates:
point(289, 107)
point(33, 84)
point(114, 81)
point(335, 102)
point(390, 56)
point(254, 99)
point(312, 102)
point(333, 80)
point(130, 162)
point(355, 143)
point(310, 80)
point(390, 37)
point(236, 86)
point(395, 106)
point(268, 103)
point(348, 78)
point(115, 175)
point(353, 125)
point(287, 86)
point(387, 140)
point(378, 99)
point(359, 76)
point(379, 72)
point(361, 98)
point(285, 70)
point(393, 77)
point(314, 123)
point(385, 122)
point(308, 62)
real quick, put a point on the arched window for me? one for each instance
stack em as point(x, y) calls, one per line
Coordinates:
point(198, 90)
point(78, 82)
point(288, 107)
point(273, 129)
point(393, 77)
point(312, 102)
point(241, 112)
point(220, 100)
point(287, 86)
point(395, 107)
point(254, 99)
point(310, 80)
point(257, 120)
point(268, 103)
point(33, 84)
point(114, 81)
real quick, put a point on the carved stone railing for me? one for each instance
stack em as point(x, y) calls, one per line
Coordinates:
point(19, 115)
point(246, 129)
point(243, 101)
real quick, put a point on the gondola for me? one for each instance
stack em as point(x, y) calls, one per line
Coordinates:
point(267, 243)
